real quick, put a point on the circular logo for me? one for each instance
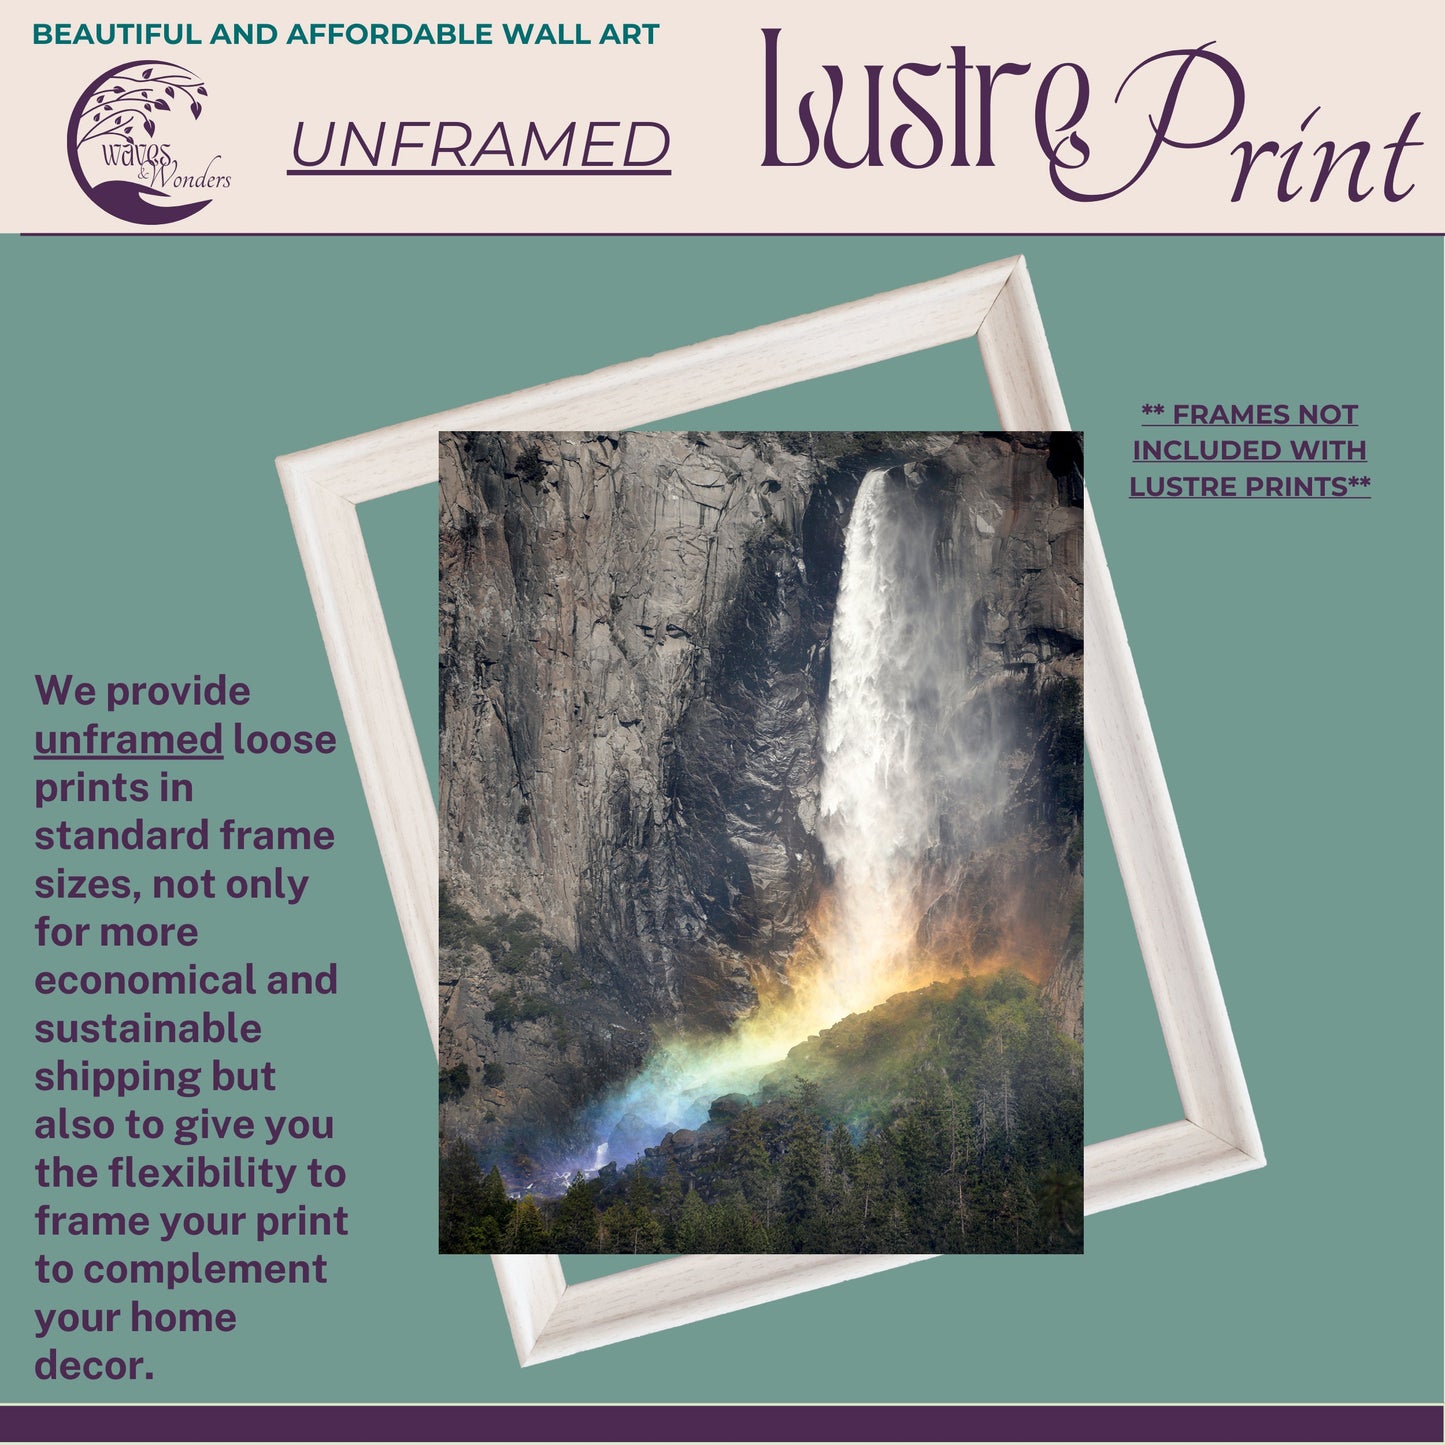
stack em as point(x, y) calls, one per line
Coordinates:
point(137, 144)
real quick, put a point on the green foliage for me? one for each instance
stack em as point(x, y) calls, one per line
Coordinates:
point(512, 939)
point(486, 1238)
point(747, 1154)
point(577, 1229)
point(453, 920)
point(493, 1074)
point(947, 1121)
point(527, 1233)
point(733, 1228)
point(569, 967)
point(629, 1226)
point(669, 1203)
point(515, 942)
point(452, 1083)
point(639, 1189)
point(494, 1201)
point(530, 466)
point(802, 1165)
point(459, 1199)
point(511, 1007)
point(693, 1234)
point(474, 1213)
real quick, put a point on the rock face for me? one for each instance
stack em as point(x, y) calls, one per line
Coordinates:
point(634, 666)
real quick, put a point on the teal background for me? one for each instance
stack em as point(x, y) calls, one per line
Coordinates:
point(1290, 654)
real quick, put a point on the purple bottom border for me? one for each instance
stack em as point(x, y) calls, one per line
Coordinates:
point(729, 1423)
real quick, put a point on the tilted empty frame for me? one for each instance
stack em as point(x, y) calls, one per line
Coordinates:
point(324, 486)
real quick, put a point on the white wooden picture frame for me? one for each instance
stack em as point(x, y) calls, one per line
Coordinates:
point(324, 486)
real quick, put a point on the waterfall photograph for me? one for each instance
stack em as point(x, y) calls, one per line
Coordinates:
point(761, 786)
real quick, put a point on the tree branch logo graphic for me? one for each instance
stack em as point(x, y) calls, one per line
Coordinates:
point(137, 143)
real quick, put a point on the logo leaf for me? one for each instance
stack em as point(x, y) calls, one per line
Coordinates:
point(201, 90)
point(196, 108)
point(150, 126)
point(160, 104)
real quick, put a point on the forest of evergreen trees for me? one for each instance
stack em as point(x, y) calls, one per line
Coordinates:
point(985, 1158)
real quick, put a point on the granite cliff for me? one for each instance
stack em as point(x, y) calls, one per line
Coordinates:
point(634, 668)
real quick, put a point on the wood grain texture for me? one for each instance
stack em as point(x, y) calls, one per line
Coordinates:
point(1155, 871)
point(803, 348)
point(378, 721)
point(1157, 1161)
point(532, 1287)
point(1017, 362)
point(692, 1287)
point(323, 486)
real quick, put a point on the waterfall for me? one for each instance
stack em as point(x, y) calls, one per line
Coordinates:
point(887, 754)
point(891, 757)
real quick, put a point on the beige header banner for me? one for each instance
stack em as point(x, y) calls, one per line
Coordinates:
point(774, 117)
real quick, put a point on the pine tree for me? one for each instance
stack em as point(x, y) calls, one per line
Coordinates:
point(693, 1234)
point(956, 1103)
point(615, 1236)
point(767, 1202)
point(459, 1199)
point(747, 1154)
point(803, 1173)
point(576, 1227)
point(629, 1225)
point(896, 1236)
point(840, 1193)
point(917, 1153)
point(982, 1121)
point(1016, 1215)
point(669, 1203)
point(1059, 1196)
point(646, 1233)
point(495, 1203)
point(1008, 1106)
point(802, 1169)
point(869, 1182)
point(486, 1238)
point(528, 1232)
point(639, 1189)
point(734, 1229)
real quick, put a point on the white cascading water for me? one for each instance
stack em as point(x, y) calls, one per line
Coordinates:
point(887, 762)
point(876, 814)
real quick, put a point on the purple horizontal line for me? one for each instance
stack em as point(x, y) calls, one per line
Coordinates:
point(731, 1423)
point(599, 171)
point(1241, 497)
point(127, 757)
